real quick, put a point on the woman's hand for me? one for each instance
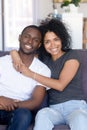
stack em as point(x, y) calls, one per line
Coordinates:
point(17, 64)
point(16, 60)
point(25, 70)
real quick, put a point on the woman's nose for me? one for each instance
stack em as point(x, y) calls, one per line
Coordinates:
point(52, 44)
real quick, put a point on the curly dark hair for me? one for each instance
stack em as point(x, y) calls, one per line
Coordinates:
point(60, 29)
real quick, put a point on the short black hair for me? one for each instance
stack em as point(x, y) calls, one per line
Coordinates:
point(31, 26)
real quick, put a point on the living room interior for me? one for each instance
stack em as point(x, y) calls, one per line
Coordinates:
point(76, 20)
point(14, 15)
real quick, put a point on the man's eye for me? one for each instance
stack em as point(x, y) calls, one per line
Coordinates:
point(26, 36)
point(36, 40)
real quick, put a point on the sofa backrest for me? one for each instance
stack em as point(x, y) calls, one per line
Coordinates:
point(83, 55)
point(2, 53)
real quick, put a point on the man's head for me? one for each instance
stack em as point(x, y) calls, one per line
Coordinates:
point(30, 39)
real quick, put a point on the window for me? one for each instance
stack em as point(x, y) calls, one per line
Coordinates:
point(17, 15)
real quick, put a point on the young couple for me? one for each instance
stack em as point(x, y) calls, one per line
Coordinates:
point(66, 100)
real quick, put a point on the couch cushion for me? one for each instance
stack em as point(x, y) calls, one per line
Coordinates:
point(2, 127)
point(83, 55)
point(61, 127)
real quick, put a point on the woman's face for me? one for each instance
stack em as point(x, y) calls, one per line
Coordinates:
point(53, 44)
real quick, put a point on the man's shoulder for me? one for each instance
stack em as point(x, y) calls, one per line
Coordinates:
point(5, 60)
point(40, 67)
point(40, 63)
point(5, 57)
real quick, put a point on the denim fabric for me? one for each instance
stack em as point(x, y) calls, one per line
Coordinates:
point(5, 117)
point(19, 119)
point(73, 113)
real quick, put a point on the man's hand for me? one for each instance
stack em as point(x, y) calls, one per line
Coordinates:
point(7, 104)
point(16, 59)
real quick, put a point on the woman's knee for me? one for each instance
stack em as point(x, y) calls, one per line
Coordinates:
point(42, 113)
point(79, 115)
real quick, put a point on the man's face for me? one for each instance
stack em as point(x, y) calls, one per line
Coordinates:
point(30, 40)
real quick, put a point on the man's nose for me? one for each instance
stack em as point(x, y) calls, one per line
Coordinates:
point(30, 40)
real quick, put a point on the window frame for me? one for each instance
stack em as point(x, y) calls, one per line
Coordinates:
point(5, 41)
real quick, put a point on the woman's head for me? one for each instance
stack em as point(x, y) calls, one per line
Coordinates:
point(60, 30)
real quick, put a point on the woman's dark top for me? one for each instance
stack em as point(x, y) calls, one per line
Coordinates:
point(73, 91)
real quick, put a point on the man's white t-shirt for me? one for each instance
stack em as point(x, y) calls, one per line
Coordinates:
point(15, 85)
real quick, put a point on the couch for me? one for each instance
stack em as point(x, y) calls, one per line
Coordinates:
point(83, 55)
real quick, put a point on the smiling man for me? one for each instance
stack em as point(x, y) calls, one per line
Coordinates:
point(20, 95)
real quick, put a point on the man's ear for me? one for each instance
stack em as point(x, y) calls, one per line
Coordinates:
point(19, 37)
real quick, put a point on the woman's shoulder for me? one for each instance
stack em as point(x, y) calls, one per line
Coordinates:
point(73, 54)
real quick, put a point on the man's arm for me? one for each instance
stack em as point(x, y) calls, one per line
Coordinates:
point(7, 104)
point(36, 99)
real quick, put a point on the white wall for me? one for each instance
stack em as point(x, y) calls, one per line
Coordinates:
point(45, 7)
point(83, 9)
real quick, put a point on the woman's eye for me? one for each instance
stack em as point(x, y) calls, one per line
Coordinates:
point(46, 42)
point(57, 39)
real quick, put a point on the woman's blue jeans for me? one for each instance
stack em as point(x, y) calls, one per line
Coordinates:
point(18, 119)
point(73, 113)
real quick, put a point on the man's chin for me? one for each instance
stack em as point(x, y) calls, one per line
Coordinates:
point(27, 52)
